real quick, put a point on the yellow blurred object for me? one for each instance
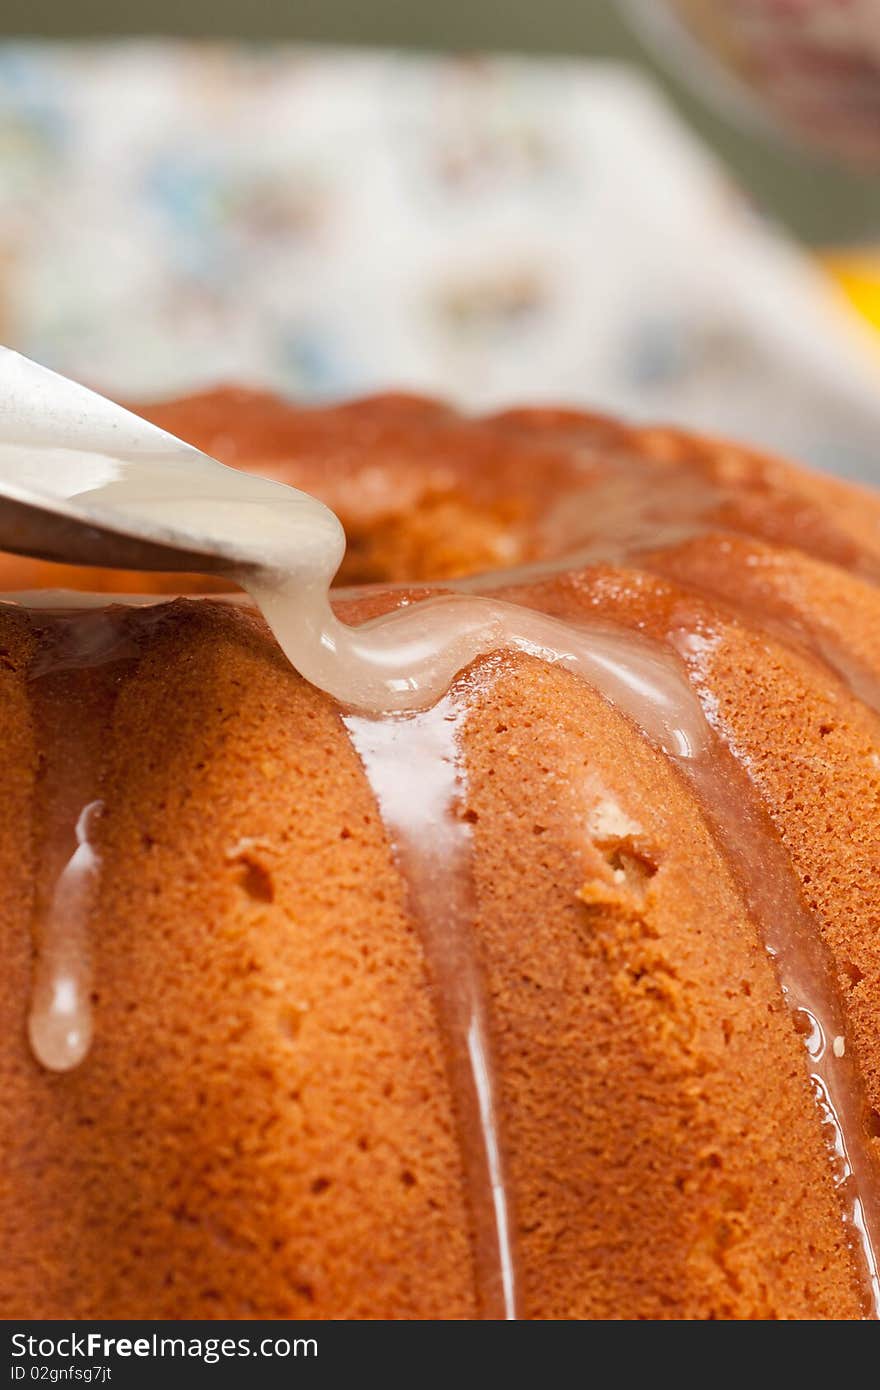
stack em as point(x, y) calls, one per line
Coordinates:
point(857, 273)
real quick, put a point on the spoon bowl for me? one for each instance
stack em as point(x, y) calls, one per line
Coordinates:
point(86, 482)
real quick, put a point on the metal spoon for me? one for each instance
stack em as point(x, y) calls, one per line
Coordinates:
point(66, 456)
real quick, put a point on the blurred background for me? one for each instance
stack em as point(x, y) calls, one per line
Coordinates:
point(667, 210)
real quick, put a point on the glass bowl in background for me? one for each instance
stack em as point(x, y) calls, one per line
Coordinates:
point(806, 68)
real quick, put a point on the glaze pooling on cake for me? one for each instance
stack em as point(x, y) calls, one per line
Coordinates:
point(652, 625)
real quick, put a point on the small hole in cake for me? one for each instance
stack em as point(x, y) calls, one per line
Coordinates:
point(290, 1021)
point(538, 829)
point(345, 833)
point(363, 1144)
point(629, 859)
point(320, 1185)
point(147, 841)
point(256, 881)
point(874, 1123)
point(632, 868)
point(470, 816)
point(852, 972)
point(407, 1178)
point(305, 1291)
point(826, 729)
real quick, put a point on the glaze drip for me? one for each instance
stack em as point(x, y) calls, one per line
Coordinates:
point(67, 674)
point(413, 767)
point(60, 1019)
point(734, 809)
point(805, 972)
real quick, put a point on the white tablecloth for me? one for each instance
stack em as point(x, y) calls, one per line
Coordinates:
point(328, 223)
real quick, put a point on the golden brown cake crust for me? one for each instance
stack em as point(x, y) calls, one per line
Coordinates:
point(265, 1125)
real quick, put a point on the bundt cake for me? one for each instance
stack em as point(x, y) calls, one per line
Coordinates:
point(509, 1006)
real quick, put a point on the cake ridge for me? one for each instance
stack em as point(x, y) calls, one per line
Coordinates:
point(742, 826)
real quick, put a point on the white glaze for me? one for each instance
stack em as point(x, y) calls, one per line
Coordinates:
point(407, 659)
point(285, 547)
point(60, 1016)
